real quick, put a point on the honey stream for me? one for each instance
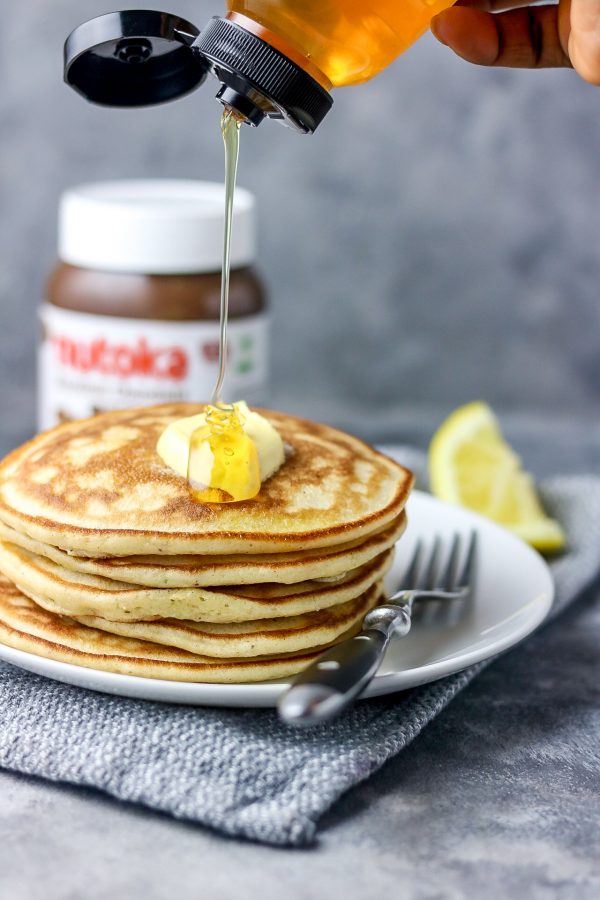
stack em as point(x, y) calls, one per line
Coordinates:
point(223, 461)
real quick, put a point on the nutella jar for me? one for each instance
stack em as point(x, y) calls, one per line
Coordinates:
point(131, 314)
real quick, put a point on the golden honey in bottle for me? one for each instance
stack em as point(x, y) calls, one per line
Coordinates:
point(349, 41)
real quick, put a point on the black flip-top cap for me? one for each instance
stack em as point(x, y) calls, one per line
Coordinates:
point(258, 80)
point(133, 58)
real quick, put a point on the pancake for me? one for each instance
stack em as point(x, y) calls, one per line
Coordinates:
point(26, 626)
point(97, 487)
point(265, 637)
point(215, 571)
point(76, 594)
point(115, 566)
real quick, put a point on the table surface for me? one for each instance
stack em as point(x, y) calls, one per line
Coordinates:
point(499, 794)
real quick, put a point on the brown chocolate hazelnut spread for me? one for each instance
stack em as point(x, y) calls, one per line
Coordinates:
point(162, 297)
point(131, 315)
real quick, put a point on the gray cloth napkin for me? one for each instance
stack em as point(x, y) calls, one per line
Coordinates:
point(242, 772)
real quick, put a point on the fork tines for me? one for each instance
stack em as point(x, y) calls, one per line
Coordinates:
point(442, 571)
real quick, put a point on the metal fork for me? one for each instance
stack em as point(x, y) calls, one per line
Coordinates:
point(335, 679)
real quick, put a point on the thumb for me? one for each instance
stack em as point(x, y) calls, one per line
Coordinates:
point(584, 39)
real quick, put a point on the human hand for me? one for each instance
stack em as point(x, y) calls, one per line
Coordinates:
point(513, 33)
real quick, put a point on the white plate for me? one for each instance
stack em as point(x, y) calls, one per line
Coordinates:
point(513, 594)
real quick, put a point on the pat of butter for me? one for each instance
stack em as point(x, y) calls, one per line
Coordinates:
point(174, 443)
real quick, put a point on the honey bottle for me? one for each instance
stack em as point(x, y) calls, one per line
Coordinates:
point(274, 59)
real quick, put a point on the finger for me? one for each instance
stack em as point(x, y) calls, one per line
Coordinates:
point(494, 5)
point(522, 38)
point(584, 40)
point(470, 33)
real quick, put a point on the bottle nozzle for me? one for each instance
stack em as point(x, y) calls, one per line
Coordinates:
point(244, 106)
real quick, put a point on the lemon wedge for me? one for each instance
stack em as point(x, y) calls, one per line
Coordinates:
point(471, 464)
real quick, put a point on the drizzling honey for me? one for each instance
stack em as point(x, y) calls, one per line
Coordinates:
point(223, 462)
point(223, 450)
point(230, 129)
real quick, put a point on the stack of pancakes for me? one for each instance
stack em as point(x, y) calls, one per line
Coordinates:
point(110, 563)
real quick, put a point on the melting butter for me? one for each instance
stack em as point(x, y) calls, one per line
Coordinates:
point(221, 461)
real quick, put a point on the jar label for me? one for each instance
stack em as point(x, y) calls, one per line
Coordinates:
point(88, 363)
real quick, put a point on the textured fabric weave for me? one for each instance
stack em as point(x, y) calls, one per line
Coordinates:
point(241, 771)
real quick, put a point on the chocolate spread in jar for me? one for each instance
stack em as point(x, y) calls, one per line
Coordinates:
point(131, 315)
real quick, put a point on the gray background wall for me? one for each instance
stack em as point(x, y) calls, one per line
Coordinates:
point(436, 241)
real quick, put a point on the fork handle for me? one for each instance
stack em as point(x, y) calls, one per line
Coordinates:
point(333, 681)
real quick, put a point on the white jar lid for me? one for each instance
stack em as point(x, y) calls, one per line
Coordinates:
point(157, 227)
